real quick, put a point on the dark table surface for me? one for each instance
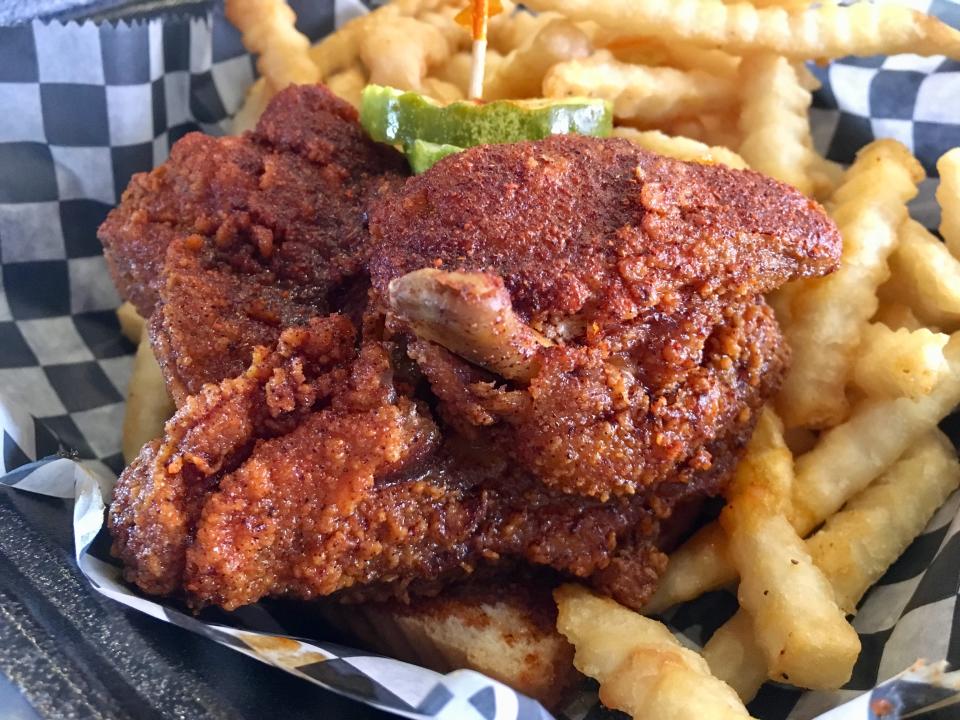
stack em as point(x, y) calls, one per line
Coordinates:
point(68, 652)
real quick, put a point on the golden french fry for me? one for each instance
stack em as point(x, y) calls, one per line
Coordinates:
point(253, 106)
point(521, 73)
point(412, 8)
point(825, 175)
point(700, 565)
point(717, 129)
point(341, 49)
point(735, 656)
point(767, 463)
point(853, 549)
point(789, 5)
point(442, 18)
point(892, 363)
point(131, 324)
point(148, 404)
point(693, 128)
point(441, 90)
point(827, 314)
point(846, 459)
point(850, 456)
point(925, 276)
point(513, 29)
point(641, 667)
point(268, 29)
point(721, 128)
point(774, 120)
point(822, 32)
point(803, 634)
point(348, 84)
point(639, 94)
point(645, 50)
point(895, 314)
point(400, 50)
point(808, 81)
point(948, 196)
point(665, 682)
point(456, 70)
point(857, 545)
point(703, 563)
point(681, 148)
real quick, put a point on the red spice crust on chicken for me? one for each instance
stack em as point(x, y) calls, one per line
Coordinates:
point(638, 266)
point(311, 474)
point(353, 453)
point(235, 238)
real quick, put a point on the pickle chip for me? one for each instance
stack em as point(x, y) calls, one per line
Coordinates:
point(422, 155)
point(428, 130)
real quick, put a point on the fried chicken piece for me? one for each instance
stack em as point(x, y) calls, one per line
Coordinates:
point(235, 238)
point(601, 229)
point(159, 497)
point(628, 347)
point(310, 474)
point(595, 414)
point(648, 272)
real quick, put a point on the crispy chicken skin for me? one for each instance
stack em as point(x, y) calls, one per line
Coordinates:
point(314, 472)
point(647, 272)
point(580, 349)
point(600, 229)
point(235, 238)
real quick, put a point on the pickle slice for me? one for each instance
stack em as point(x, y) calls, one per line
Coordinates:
point(422, 154)
point(401, 118)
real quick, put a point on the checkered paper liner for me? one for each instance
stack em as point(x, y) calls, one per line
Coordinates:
point(98, 102)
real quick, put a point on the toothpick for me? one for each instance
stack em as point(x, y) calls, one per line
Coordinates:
point(476, 69)
point(481, 9)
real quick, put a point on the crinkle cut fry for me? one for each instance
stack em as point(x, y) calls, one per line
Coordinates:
point(642, 668)
point(681, 148)
point(640, 94)
point(522, 72)
point(899, 362)
point(824, 32)
point(948, 197)
point(341, 49)
point(837, 468)
point(774, 121)
point(788, 600)
point(827, 314)
point(268, 30)
point(853, 549)
point(925, 277)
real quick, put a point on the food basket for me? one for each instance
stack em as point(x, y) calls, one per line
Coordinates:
point(98, 91)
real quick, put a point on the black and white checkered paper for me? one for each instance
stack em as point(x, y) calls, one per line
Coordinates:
point(96, 102)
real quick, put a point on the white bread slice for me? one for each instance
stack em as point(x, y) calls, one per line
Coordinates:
point(506, 632)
